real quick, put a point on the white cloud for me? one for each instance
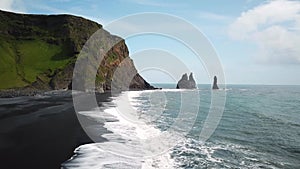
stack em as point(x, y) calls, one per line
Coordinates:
point(6, 4)
point(275, 27)
point(12, 5)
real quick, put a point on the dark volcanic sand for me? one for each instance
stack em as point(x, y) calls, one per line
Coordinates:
point(38, 132)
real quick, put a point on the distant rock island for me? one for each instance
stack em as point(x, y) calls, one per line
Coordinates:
point(215, 84)
point(186, 82)
point(38, 52)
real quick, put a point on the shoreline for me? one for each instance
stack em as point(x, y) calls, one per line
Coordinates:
point(38, 132)
point(12, 93)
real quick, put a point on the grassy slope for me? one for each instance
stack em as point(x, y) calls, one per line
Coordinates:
point(8, 72)
point(39, 48)
point(21, 61)
point(38, 57)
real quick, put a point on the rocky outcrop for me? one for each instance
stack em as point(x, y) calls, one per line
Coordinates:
point(62, 79)
point(186, 82)
point(215, 84)
point(42, 50)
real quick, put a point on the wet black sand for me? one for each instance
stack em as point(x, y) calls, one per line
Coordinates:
point(39, 133)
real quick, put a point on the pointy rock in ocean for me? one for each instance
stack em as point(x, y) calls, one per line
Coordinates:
point(186, 82)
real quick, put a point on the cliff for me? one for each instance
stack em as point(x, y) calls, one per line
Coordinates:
point(186, 82)
point(39, 52)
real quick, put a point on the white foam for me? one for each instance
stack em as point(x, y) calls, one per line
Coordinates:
point(125, 147)
point(177, 90)
point(127, 129)
point(162, 162)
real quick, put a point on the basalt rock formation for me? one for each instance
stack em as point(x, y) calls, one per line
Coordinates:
point(39, 52)
point(215, 84)
point(186, 82)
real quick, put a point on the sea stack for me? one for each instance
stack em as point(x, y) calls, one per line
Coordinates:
point(186, 82)
point(215, 85)
point(192, 81)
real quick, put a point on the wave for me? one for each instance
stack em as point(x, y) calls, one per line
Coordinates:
point(246, 137)
point(126, 146)
point(194, 154)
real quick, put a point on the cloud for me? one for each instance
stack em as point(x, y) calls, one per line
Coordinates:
point(275, 28)
point(6, 4)
point(12, 5)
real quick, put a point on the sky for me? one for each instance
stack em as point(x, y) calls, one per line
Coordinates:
point(257, 41)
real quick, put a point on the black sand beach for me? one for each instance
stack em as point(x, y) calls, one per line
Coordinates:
point(39, 132)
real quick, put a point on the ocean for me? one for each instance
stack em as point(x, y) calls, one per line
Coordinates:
point(259, 128)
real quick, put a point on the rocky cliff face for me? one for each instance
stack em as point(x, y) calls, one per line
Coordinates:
point(186, 83)
point(39, 52)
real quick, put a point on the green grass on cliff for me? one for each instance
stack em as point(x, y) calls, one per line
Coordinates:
point(21, 61)
point(40, 48)
point(8, 72)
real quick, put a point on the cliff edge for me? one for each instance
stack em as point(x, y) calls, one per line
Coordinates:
point(39, 52)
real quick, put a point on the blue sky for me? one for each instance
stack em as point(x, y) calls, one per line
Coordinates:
point(257, 41)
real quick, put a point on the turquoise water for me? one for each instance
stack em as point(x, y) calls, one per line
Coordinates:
point(259, 128)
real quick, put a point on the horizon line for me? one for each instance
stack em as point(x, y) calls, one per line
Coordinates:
point(234, 84)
